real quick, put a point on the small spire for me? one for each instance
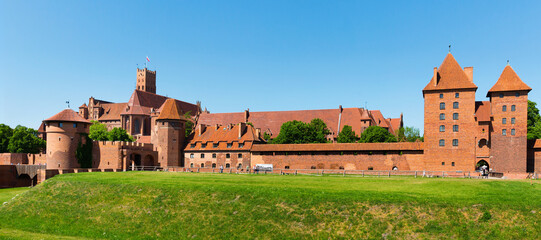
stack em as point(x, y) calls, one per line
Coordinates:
point(449, 48)
point(507, 62)
point(68, 102)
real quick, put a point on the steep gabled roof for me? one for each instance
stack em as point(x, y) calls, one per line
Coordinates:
point(170, 111)
point(111, 111)
point(66, 115)
point(509, 81)
point(482, 111)
point(449, 76)
point(142, 102)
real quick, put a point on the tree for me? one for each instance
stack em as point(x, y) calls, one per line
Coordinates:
point(300, 132)
point(347, 135)
point(374, 134)
point(408, 134)
point(266, 136)
point(189, 124)
point(83, 153)
point(5, 135)
point(119, 134)
point(25, 140)
point(534, 121)
point(98, 131)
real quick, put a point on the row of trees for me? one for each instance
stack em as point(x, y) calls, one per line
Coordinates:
point(316, 132)
point(20, 140)
point(98, 132)
point(534, 121)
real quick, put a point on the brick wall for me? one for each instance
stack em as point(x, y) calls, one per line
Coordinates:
point(13, 158)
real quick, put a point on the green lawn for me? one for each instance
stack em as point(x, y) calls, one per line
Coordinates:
point(147, 205)
point(7, 194)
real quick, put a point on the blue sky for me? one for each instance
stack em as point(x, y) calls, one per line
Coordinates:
point(262, 55)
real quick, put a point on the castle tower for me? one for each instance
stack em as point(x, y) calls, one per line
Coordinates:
point(509, 116)
point(64, 132)
point(449, 122)
point(169, 134)
point(146, 80)
point(83, 111)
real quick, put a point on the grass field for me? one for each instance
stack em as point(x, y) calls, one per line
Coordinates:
point(147, 205)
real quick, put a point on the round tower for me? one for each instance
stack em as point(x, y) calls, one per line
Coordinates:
point(64, 132)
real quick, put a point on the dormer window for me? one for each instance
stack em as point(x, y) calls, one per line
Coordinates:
point(241, 145)
point(215, 145)
point(229, 145)
point(203, 145)
point(192, 145)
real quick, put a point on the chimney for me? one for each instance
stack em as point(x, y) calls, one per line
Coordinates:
point(201, 129)
point(217, 127)
point(242, 129)
point(469, 73)
point(435, 76)
point(246, 115)
point(258, 133)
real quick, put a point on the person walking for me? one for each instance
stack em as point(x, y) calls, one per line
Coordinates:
point(221, 168)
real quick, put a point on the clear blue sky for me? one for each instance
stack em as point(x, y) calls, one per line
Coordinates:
point(262, 55)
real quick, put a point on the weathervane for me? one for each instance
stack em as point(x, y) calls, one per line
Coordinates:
point(449, 48)
point(507, 62)
point(68, 102)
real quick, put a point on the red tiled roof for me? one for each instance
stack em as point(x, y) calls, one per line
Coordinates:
point(142, 102)
point(223, 135)
point(272, 121)
point(396, 123)
point(67, 115)
point(509, 81)
point(482, 111)
point(450, 76)
point(41, 128)
point(111, 111)
point(83, 106)
point(314, 147)
point(170, 110)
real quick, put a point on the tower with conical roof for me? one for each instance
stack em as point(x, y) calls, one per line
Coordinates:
point(449, 123)
point(509, 113)
point(168, 134)
point(64, 132)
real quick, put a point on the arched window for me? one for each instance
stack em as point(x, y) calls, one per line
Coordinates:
point(214, 155)
point(442, 106)
point(513, 108)
point(442, 128)
point(455, 142)
point(202, 155)
point(239, 155)
point(239, 166)
point(455, 116)
point(504, 120)
point(191, 155)
point(191, 165)
point(513, 132)
point(227, 155)
point(442, 116)
point(202, 165)
point(214, 165)
point(504, 108)
point(227, 165)
point(455, 128)
point(441, 95)
point(313, 167)
point(455, 105)
point(442, 142)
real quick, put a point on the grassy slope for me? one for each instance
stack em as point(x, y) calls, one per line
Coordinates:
point(7, 194)
point(180, 205)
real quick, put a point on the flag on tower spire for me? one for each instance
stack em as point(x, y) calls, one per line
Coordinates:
point(148, 60)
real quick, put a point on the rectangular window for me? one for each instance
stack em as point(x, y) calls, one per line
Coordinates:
point(442, 128)
point(442, 142)
point(457, 95)
point(75, 125)
point(215, 145)
point(504, 120)
point(455, 142)
point(513, 132)
point(202, 155)
point(241, 145)
point(453, 164)
point(239, 155)
point(513, 108)
point(455, 128)
point(501, 95)
point(214, 155)
point(504, 108)
point(441, 95)
point(229, 145)
point(192, 145)
point(442, 116)
point(442, 106)
point(455, 116)
point(203, 145)
point(227, 155)
point(504, 132)
point(517, 94)
point(59, 124)
point(443, 163)
point(455, 105)
point(512, 120)
point(191, 155)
